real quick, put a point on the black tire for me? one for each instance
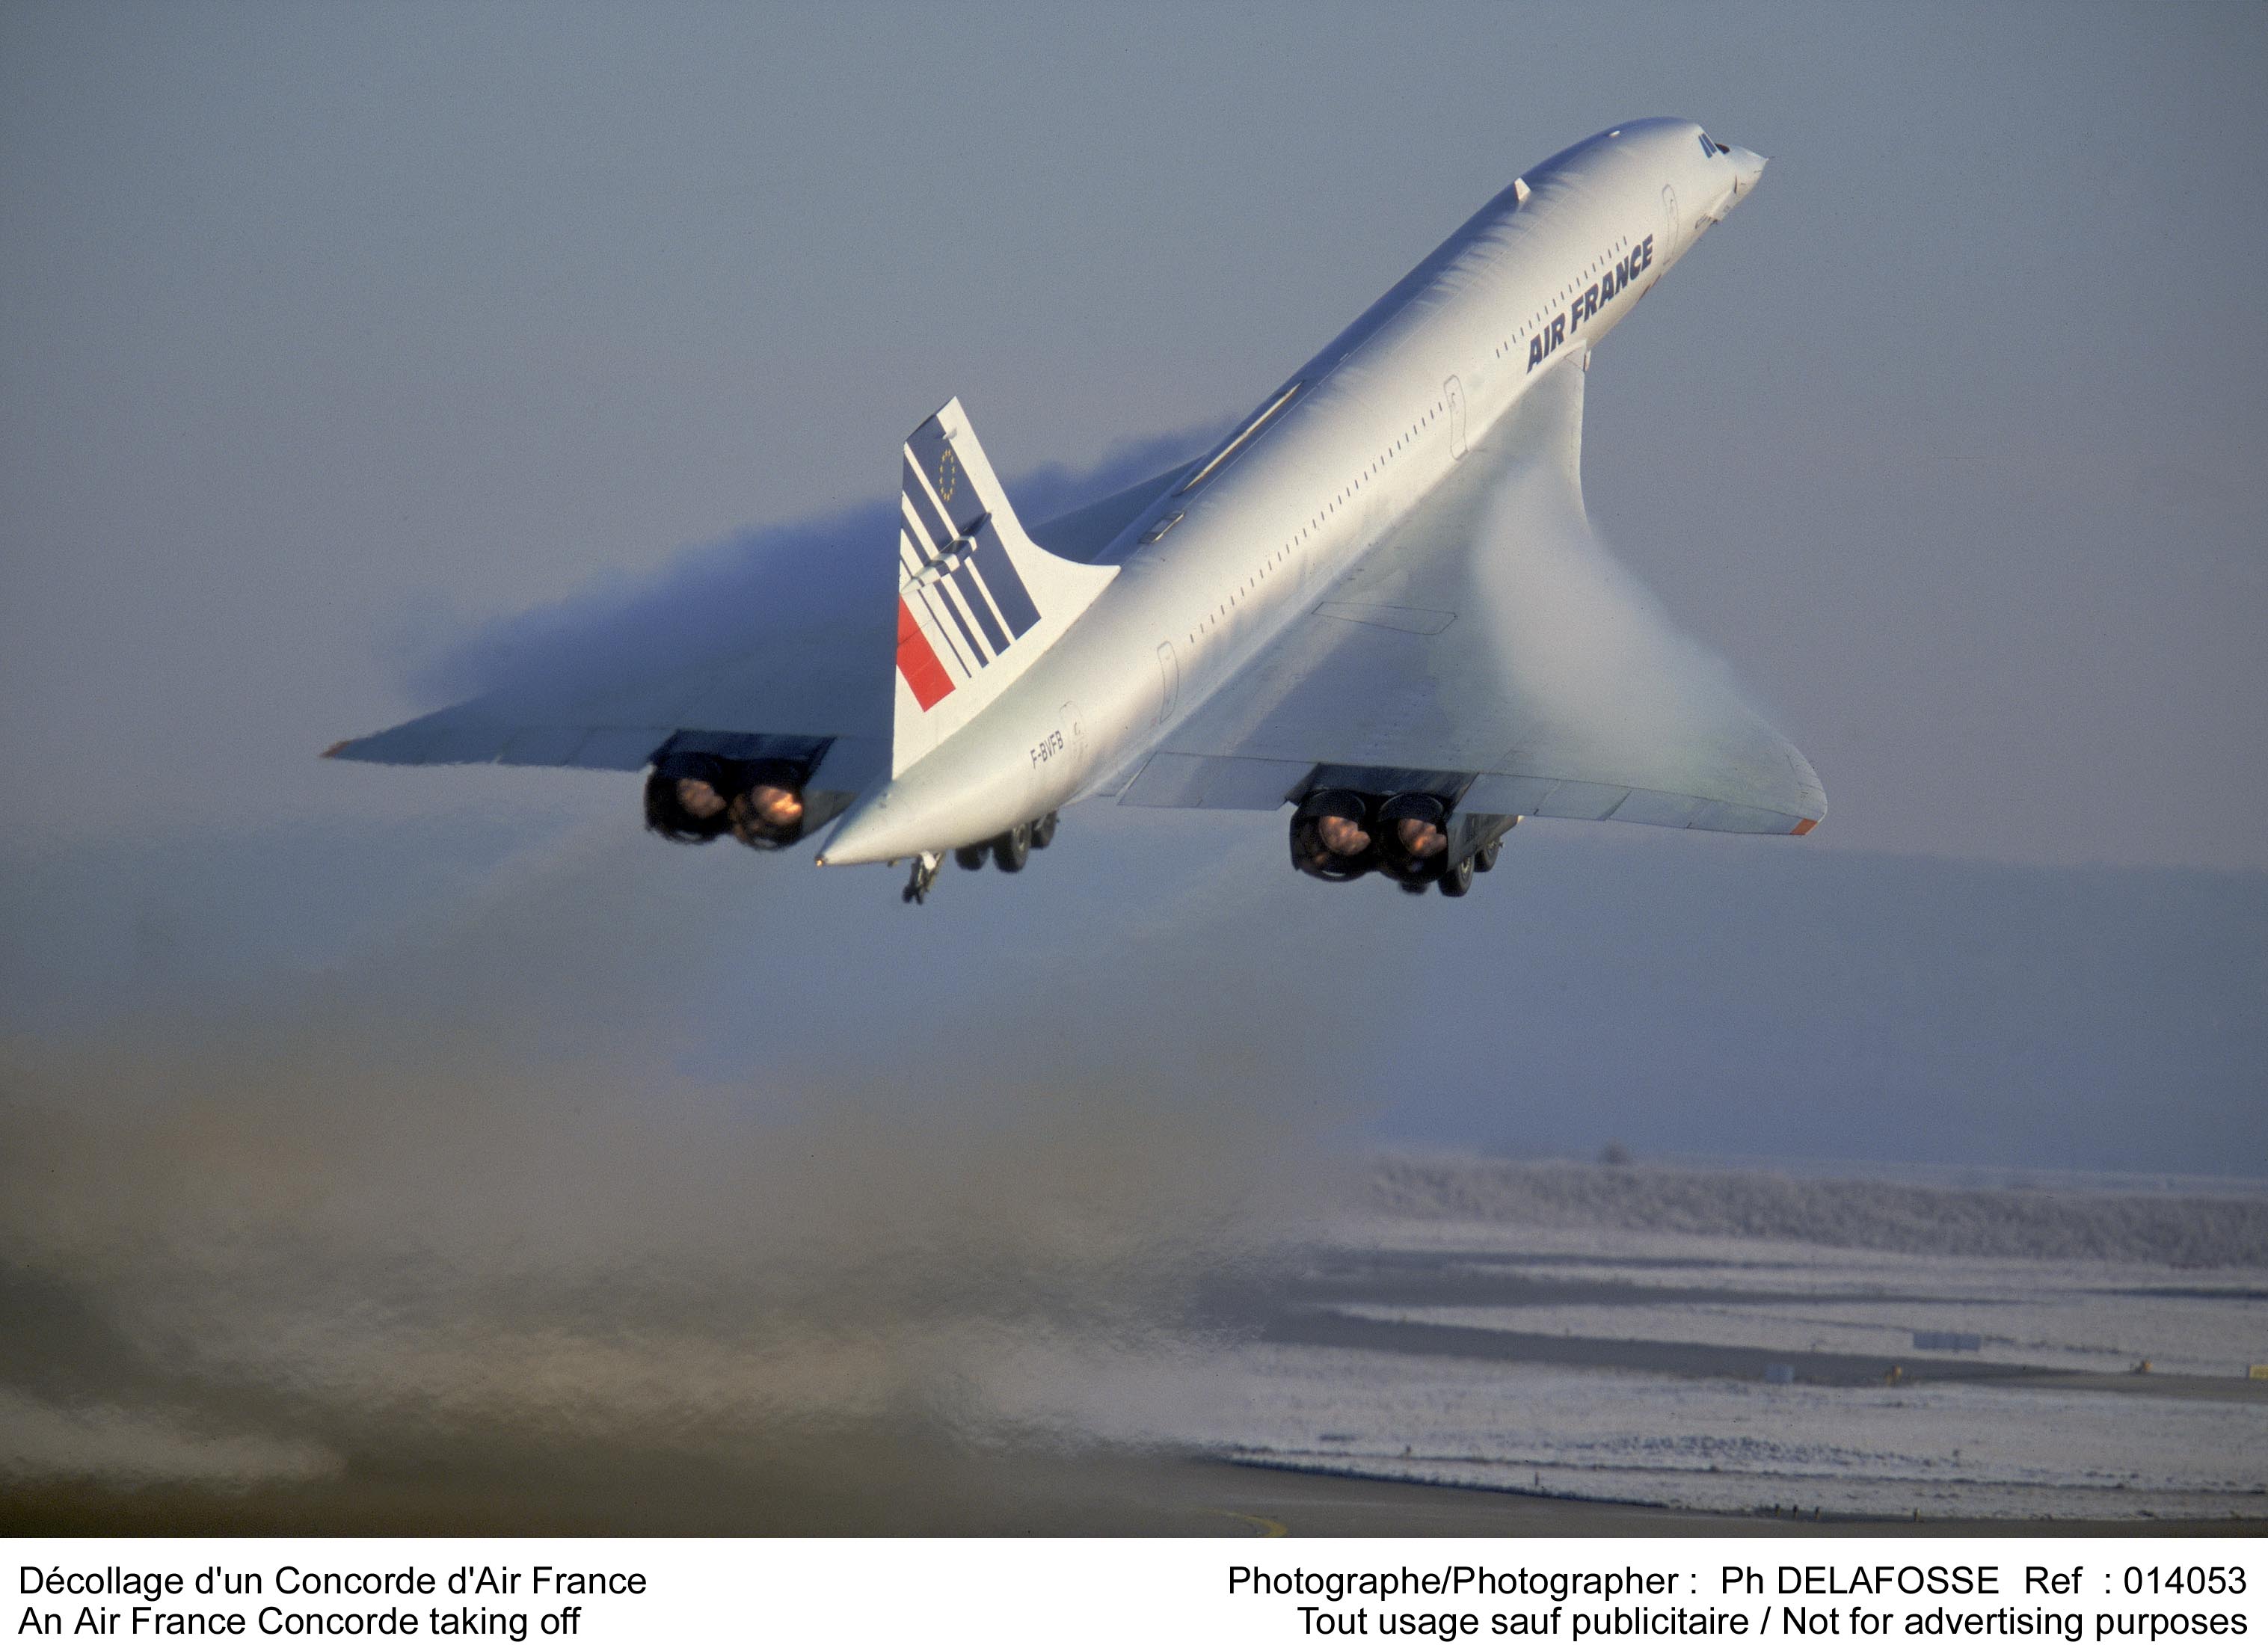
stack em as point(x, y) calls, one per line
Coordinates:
point(1485, 859)
point(1043, 832)
point(1012, 849)
point(971, 856)
point(1457, 879)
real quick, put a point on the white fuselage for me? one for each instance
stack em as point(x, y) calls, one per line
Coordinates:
point(1378, 420)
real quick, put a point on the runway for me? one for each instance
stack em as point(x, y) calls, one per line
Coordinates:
point(1111, 1496)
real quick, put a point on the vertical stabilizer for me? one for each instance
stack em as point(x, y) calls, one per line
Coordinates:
point(978, 600)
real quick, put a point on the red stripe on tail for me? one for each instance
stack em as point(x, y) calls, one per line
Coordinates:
point(924, 674)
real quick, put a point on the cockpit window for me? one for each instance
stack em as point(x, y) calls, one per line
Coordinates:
point(1712, 150)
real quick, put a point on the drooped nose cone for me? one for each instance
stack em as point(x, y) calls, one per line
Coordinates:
point(1748, 166)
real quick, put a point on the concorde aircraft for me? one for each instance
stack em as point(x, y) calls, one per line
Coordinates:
point(1332, 610)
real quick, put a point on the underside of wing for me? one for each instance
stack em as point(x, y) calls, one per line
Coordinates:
point(818, 697)
point(777, 651)
point(1492, 651)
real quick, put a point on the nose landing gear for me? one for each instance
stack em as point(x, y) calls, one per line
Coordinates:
point(925, 876)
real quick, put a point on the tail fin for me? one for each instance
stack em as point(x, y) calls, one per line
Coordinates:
point(978, 600)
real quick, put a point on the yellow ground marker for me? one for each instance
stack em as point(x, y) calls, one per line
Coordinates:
point(1261, 1525)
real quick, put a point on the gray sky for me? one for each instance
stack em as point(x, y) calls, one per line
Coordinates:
point(323, 326)
point(330, 333)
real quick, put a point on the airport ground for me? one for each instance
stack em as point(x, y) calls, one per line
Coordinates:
point(1553, 1359)
point(910, 1483)
point(1096, 1495)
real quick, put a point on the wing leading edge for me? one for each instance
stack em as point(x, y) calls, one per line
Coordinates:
point(1491, 648)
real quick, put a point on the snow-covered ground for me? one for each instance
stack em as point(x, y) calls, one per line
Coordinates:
point(1959, 1448)
point(265, 1333)
point(2060, 1316)
point(2061, 1279)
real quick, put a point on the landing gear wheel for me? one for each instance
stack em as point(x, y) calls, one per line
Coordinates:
point(1485, 859)
point(1043, 832)
point(970, 855)
point(1012, 849)
point(1457, 879)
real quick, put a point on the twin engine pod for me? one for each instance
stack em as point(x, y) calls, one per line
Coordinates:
point(1415, 840)
point(693, 798)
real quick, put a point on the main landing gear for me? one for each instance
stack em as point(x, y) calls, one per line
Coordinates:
point(1009, 851)
point(1457, 879)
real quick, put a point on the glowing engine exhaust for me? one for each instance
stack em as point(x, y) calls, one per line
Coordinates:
point(693, 798)
point(769, 812)
point(1413, 838)
point(1332, 836)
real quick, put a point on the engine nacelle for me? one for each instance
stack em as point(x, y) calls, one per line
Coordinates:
point(693, 798)
point(1413, 838)
point(1417, 839)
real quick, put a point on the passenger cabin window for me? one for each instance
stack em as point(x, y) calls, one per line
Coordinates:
point(1243, 438)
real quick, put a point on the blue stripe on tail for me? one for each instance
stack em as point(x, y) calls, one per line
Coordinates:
point(965, 580)
point(1001, 579)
